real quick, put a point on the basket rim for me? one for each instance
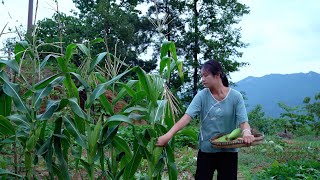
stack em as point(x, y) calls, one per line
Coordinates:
point(236, 143)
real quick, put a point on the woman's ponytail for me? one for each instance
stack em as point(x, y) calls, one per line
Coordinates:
point(224, 79)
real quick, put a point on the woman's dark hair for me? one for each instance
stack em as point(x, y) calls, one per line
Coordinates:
point(215, 68)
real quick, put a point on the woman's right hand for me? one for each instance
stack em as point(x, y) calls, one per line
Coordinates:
point(163, 140)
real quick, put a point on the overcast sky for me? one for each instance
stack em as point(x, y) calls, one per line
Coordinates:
point(283, 35)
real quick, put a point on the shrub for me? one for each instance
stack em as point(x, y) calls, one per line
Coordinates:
point(291, 170)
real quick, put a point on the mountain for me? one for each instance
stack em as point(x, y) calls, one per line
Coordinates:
point(269, 90)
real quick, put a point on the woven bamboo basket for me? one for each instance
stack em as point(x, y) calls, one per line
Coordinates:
point(238, 143)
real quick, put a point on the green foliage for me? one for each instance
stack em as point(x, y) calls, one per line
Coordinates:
point(208, 33)
point(256, 160)
point(118, 23)
point(186, 160)
point(300, 120)
point(296, 117)
point(313, 110)
point(263, 124)
point(47, 130)
point(130, 33)
point(187, 137)
point(308, 169)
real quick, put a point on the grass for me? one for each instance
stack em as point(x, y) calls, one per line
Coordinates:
point(253, 160)
point(256, 159)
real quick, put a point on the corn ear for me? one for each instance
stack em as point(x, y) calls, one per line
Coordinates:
point(223, 138)
point(236, 133)
point(157, 151)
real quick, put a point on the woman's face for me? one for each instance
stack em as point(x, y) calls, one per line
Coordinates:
point(207, 78)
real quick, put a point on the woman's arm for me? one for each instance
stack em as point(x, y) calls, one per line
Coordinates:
point(246, 133)
point(164, 139)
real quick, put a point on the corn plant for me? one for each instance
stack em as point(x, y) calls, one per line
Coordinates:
point(64, 126)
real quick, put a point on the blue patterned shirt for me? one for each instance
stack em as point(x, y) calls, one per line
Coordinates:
point(217, 117)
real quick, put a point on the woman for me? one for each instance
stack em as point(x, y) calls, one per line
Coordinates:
point(221, 109)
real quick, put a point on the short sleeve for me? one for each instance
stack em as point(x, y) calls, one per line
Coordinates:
point(195, 106)
point(241, 112)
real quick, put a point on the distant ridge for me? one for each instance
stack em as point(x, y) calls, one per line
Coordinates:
point(271, 89)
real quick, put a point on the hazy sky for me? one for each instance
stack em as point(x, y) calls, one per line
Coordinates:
point(283, 35)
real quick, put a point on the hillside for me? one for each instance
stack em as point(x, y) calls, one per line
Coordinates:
point(271, 89)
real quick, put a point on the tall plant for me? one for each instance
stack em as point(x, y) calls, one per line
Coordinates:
point(50, 134)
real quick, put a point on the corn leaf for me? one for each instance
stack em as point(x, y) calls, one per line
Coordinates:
point(12, 64)
point(45, 60)
point(96, 61)
point(108, 133)
point(159, 111)
point(6, 128)
point(84, 49)
point(122, 146)
point(146, 84)
point(5, 105)
point(4, 172)
point(12, 90)
point(39, 95)
point(63, 166)
point(136, 108)
point(44, 147)
point(158, 168)
point(76, 108)
point(106, 104)
point(97, 40)
point(52, 107)
point(126, 89)
point(72, 129)
point(119, 118)
point(101, 88)
point(172, 169)
point(69, 52)
point(20, 120)
point(93, 139)
point(133, 165)
point(165, 62)
point(20, 49)
point(52, 80)
point(82, 81)
point(166, 47)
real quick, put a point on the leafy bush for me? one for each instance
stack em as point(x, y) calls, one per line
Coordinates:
point(187, 137)
point(263, 124)
point(291, 170)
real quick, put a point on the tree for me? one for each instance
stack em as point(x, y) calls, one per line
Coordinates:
point(61, 30)
point(314, 111)
point(203, 30)
point(296, 117)
point(313, 108)
point(212, 35)
point(165, 16)
point(121, 26)
point(118, 23)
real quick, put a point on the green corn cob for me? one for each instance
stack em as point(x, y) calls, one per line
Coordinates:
point(236, 133)
point(222, 138)
point(157, 151)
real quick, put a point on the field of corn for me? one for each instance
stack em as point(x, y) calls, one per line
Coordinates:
point(63, 124)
